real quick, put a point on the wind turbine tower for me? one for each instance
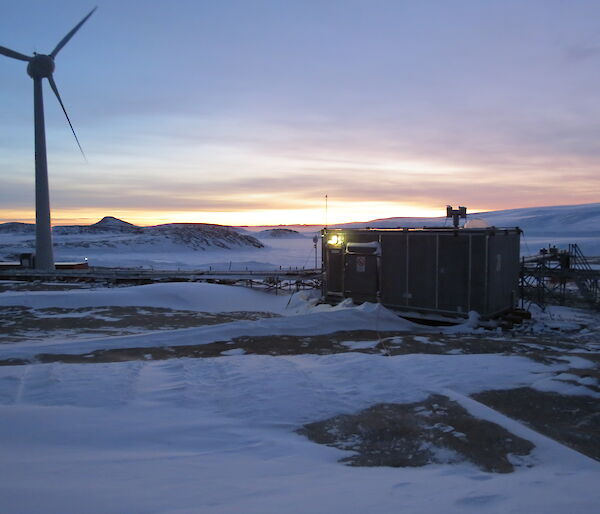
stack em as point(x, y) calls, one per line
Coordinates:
point(41, 66)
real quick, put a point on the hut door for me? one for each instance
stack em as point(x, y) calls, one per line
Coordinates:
point(334, 271)
point(361, 272)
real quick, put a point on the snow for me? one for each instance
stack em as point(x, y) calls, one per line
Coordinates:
point(542, 226)
point(359, 345)
point(198, 296)
point(426, 340)
point(555, 317)
point(217, 435)
point(374, 246)
point(234, 351)
point(112, 242)
point(298, 320)
point(160, 253)
point(284, 233)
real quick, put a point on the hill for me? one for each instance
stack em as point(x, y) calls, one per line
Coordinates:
point(557, 225)
point(112, 240)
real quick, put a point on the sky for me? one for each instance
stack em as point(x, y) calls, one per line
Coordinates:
point(250, 112)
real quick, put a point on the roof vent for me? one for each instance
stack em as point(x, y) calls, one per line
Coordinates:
point(456, 214)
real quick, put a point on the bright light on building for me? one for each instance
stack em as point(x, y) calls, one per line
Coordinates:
point(335, 240)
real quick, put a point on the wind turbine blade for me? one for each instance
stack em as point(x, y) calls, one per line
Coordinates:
point(66, 39)
point(55, 89)
point(15, 55)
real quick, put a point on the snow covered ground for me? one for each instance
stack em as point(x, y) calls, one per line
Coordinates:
point(188, 397)
point(218, 434)
point(163, 254)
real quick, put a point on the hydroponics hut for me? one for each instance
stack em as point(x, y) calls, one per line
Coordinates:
point(431, 271)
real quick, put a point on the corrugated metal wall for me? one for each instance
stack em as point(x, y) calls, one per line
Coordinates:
point(443, 271)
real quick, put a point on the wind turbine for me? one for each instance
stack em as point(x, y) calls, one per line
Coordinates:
point(41, 66)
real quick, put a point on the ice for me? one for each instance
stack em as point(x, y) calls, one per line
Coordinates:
point(217, 435)
point(360, 345)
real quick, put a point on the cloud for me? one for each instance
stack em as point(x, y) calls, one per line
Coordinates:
point(241, 165)
point(488, 104)
point(582, 52)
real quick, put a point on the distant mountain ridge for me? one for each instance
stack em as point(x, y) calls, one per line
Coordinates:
point(280, 233)
point(16, 227)
point(111, 232)
point(106, 224)
point(110, 222)
point(581, 220)
point(541, 226)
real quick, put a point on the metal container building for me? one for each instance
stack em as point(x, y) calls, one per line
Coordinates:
point(433, 271)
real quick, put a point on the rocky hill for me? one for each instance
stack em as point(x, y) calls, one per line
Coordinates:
point(279, 233)
point(17, 228)
point(108, 224)
point(113, 233)
point(201, 236)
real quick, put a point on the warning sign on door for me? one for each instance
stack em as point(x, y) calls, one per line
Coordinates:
point(361, 264)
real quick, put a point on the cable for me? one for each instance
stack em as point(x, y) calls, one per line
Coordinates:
point(310, 254)
point(526, 245)
point(386, 350)
point(290, 299)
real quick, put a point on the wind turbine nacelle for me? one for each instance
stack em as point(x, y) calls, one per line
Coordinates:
point(41, 66)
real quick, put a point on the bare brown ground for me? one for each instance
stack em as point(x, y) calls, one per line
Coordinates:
point(437, 430)
point(572, 420)
point(18, 323)
point(37, 285)
point(546, 350)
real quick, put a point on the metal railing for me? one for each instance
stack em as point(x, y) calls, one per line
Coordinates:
point(563, 277)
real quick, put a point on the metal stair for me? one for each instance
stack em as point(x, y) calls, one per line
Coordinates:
point(587, 284)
